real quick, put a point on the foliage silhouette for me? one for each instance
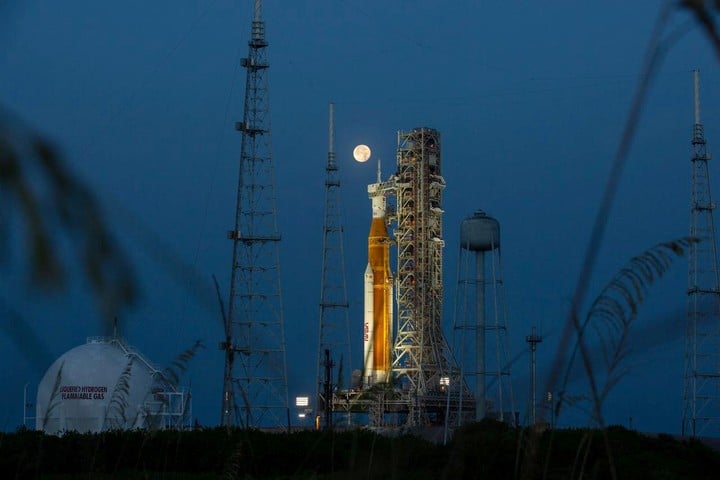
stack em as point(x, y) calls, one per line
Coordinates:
point(115, 416)
point(177, 367)
point(660, 42)
point(50, 200)
point(479, 450)
point(54, 399)
point(612, 313)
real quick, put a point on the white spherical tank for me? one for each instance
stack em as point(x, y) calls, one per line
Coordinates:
point(480, 233)
point(98, 386)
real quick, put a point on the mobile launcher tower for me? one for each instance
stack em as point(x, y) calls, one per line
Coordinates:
point(409, 376)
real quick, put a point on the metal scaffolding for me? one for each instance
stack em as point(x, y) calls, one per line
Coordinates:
point(421, 356)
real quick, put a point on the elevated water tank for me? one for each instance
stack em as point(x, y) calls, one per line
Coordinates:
point(101, 385)
point(479, 232)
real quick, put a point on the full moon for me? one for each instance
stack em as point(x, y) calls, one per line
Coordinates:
point(361, 153)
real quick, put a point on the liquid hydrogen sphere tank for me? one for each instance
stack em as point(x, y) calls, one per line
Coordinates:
point(102, 385)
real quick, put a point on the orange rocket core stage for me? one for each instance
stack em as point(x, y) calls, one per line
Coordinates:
point(379, 261)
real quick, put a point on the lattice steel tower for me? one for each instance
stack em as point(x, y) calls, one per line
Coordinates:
point(334, 322)
point(421, 356)
point(255, 390)
point(701, 410)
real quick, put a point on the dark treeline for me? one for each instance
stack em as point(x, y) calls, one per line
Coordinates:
point(487, 450)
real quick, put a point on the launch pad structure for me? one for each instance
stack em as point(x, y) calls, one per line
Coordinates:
point(409, 379)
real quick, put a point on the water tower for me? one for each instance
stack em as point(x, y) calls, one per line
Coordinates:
point(480, 322)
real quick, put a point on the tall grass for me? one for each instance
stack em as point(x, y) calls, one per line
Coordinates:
point(625, 292)
point(115, 414)
point(54, 399)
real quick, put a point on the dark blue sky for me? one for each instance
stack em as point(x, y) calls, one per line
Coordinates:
point(530, 98)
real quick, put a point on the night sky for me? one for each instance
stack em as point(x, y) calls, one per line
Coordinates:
point(531, 98)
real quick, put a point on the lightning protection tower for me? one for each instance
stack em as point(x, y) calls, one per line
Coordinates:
point(701, 410)
point(479, 311)
point(255, 390)
point(334, 323)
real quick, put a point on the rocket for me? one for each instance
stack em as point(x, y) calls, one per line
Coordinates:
point(377, 325)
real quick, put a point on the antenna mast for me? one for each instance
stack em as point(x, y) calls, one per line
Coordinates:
point(334, 323)
point(701, 393)
point(533, 339)
point(255, 392)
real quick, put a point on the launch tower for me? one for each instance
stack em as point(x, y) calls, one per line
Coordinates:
point(701, 410)
point(409, 378)
point(421, 356)
point(255, 390)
